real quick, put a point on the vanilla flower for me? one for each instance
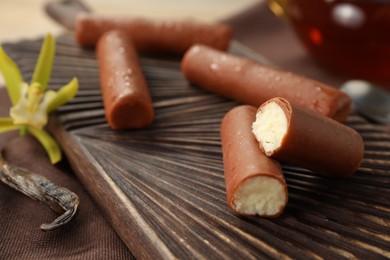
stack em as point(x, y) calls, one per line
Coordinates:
point(32, 103)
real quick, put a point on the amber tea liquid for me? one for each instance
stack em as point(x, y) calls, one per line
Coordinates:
point(349, 36)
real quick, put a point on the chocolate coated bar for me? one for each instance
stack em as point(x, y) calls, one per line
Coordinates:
point(253, 83)
point(153, 36)
point(254, 183)
point(126, 96)
point(307, 139)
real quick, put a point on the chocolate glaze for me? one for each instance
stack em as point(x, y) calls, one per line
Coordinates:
point(153, 36)
point(242, 157)
point(126, 96)
point(318, 143)
point(253, 83)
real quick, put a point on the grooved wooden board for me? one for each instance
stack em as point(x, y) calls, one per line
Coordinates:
point(162, 188)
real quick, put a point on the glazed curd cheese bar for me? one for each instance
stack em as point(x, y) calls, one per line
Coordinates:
point(126, 97)
point(301, 137)
point(153, 36)
point(254, 183)
point(253, 83)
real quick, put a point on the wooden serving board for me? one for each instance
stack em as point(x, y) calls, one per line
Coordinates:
point(162, 188)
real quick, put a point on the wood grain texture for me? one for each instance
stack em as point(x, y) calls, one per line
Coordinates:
point(162, 188)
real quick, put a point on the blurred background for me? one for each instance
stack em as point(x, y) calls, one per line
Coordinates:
point(327, 40)
point(27, 18)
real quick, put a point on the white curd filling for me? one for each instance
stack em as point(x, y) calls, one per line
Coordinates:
point(270, 127)
point(260, 195)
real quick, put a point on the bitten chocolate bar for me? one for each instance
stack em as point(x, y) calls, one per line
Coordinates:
point(254, 183)
point(153, 36)
point(252, 83)
point(307, 139)
point(126, 97)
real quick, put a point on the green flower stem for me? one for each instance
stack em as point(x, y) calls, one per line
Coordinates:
point(23, 130)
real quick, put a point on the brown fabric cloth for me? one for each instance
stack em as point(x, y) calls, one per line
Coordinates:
point(89, 235)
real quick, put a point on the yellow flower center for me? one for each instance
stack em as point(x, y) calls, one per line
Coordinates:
point(31, 108)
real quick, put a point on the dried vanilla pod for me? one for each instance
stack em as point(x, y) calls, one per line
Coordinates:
point(59, 199)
